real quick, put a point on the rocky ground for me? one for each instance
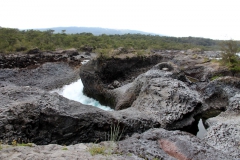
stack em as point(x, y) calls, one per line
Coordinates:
point(152, 96)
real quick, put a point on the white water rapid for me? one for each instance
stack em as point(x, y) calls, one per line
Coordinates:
point(74, 91)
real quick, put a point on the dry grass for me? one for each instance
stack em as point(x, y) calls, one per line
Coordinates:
point(14, 143)
point(97, 149)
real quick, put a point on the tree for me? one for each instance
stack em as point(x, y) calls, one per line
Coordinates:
point(229, 58)
point(63, 31)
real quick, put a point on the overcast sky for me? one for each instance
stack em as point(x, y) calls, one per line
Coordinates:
point(216, 19)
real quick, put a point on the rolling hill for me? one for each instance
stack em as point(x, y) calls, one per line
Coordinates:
point(95, 30)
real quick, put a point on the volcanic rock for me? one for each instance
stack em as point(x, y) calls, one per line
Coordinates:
point(218, 92)
point(98, 74)
point(47, 76)
point(162, 144)
point(29, 113)
point(159, 96)
point(224, 130)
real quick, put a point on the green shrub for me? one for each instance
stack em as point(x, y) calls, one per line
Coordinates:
point(103, 53)
point(229, 58)
point(140, 52)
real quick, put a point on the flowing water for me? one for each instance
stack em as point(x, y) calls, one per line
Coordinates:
point(74, 91)
point(201, 129)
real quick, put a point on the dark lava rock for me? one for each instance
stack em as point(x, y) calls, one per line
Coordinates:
point(34, 51)
point(31, 114)
point(48, 76)
point(162, 144)
point(28, 113)
point(97, 74)
point(217, 93)
point(168, 101)
point(87, 49)
point(157, 95)
point(35, 58)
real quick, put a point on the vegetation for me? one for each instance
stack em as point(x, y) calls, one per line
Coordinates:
point(216, 76)
point(14, 144)
point(64, 148)
point(229, 57)
point(113, 136)
point(206, 59)
point(14, 40)
point(115, 133)
point(96, 149)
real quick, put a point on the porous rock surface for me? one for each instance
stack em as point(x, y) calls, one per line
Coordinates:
point(170, 145)
point(159, 96)
point(47, 76)
point(35, 58)
point(32, 114)
point(46, 70)
point(29, 113)
point(59, 152)
point(152, 144)
point(99, 75)
point(224, 130)
point(217, 93)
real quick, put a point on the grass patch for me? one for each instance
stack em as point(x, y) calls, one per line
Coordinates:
point(206, 59)
point(25, 144)
point(215, 61)
point(104, 53)
point(108, 148)
point(215, 77)
point(194, 56)
point(14, 143)
point(96, 149)
point(64, 148)
point(115, 133)
point(193, 80)
point(142, 52)
point(129, 154)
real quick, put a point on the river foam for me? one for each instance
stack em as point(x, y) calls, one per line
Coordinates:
point(74, 91)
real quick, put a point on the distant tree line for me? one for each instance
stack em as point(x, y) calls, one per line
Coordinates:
point(14, 40)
